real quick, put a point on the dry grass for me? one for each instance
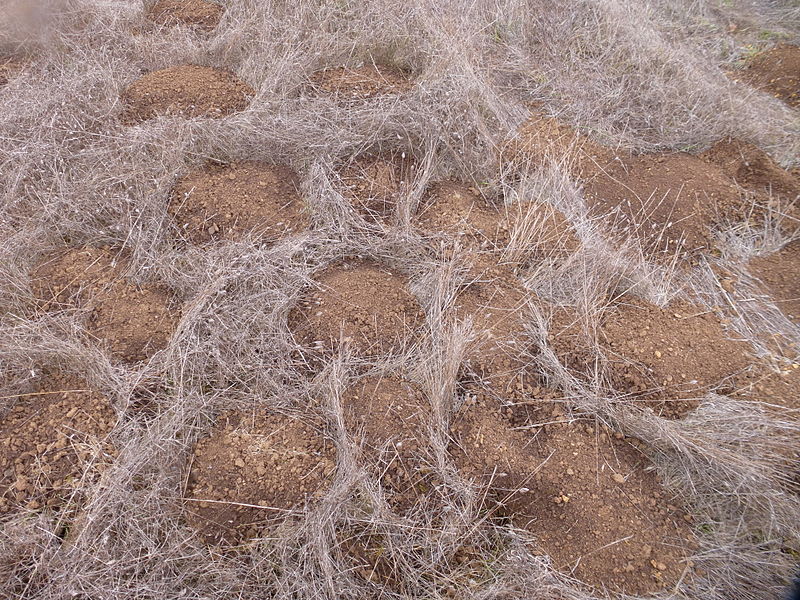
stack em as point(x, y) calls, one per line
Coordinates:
point(641, 75)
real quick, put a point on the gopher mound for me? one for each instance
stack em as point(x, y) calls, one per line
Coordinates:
point(777, 72)
point(132, 321)
point(254, 469)
point(198, 14)
point(779, 275)
point(363, 82)
point(361, 304)
point(374, 185)
point(669, 357)
point(753, 169)
point(669, 202)
point(53, 443)
point(587, 496)
point(390, 417)
point(187, 90)
point(230, 201)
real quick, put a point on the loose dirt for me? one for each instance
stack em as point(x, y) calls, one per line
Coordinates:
point(52, 443)
point(669, 202)
point(230, 201)
point(363, 82)
point(669, 357)
point(779, 274)
point(131, 321)
point(585, 494)
point(361, 304)
point(254, 469)
point(187, 90)
point(753, 169)
point(198, 14)
point(390, 417)
point(777, 72)
point(376, 184)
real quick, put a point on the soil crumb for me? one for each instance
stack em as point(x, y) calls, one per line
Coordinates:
point(230, 201)
point(363, 82)
point(361, 304)
point(131, 321)
point(777, 72)
point(375, 185)
point(669, 202)
point(779, 274)
point(254, 469)
point(53, 443)
point(187, 90)
point(390, 417)
point(669, 357)
point(199, 14)
point(584, 493)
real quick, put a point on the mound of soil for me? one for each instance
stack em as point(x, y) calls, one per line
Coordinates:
point(776, 71)
point(669, 357)
point(253, 469)
point(669, 202)
point(376, 184)
point(230, 201)
point(753, 169)
point(187, 90)
point(361, 304)
point(390, 417)
point(52, 443)
point(364, 82)
point(781, 388)
point(779, 274)
point(587, 496)
point(132, 321)
point(199, 14)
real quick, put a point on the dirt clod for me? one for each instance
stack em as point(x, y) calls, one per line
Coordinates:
point(779, 274)
point(360, 303)
point(199, 14)
point(777, 72)
point(187, 90)
point(53, 443)
point(254, 469)
point(229, 201)
point(363, 82)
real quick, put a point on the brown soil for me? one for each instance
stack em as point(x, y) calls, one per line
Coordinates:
point(753, 169)
point(273, 463)
point(362, 82)
point(669, 357)
point(390, 417)
point(199, 14)
point(375, 184)
point(779, 274)
point(230, 201)
point(669, 202)
point(132, 321)
point(776, 71)
point(188, 90)
point(359, 303)
point(585, 495)
point(780, 388)
point(52, 443)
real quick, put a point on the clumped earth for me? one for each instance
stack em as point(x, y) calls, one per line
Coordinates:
point(389, 419)
point(777, 72)
point(584, 493)
point(53, 443)
point(779, 274)
point(187, 90)
point(361, 83)
point(375, 185)
point(669, 357)
point(132, 321)
point(199, 14)
point(253, 469)
point(363, 305)
point(229, 201)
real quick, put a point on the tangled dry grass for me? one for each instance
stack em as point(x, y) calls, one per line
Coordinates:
point(638, 76)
